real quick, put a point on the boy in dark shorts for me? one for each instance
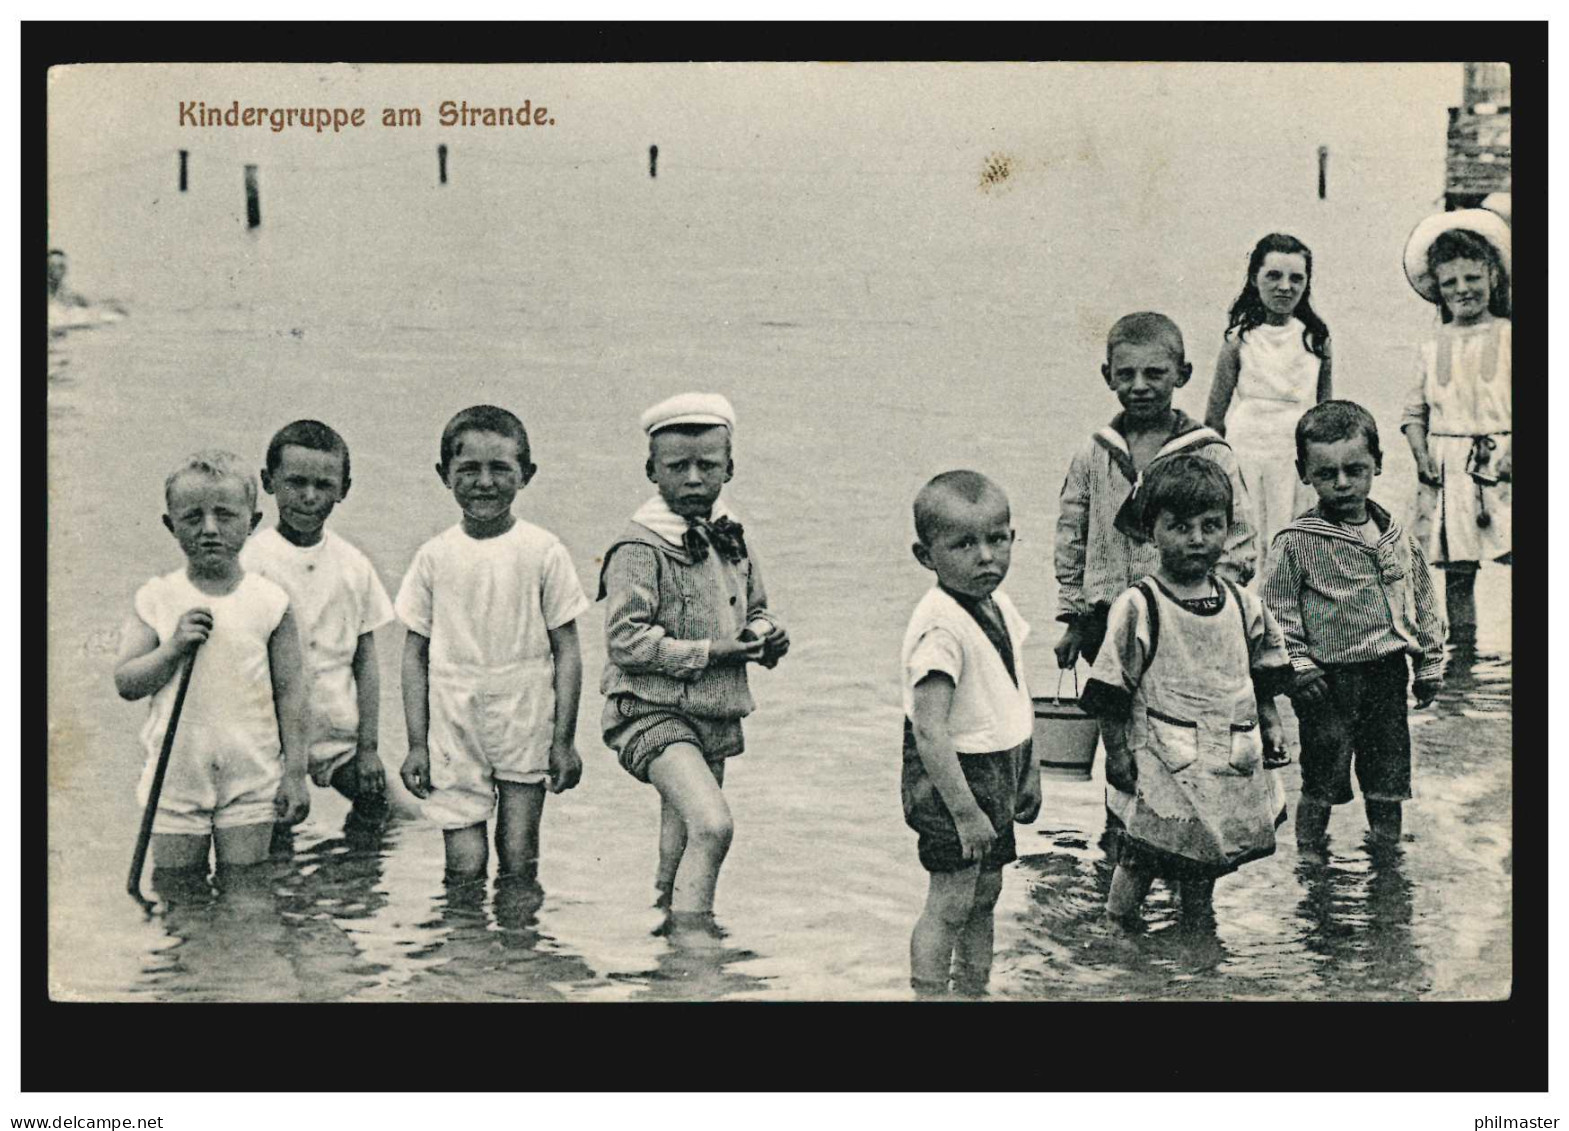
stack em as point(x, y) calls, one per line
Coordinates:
point(968, 768)
point(1352, 594)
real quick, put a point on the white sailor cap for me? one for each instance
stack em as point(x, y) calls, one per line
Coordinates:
point(689, 408)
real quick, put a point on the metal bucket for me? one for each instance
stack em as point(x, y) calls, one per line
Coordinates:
point(1065, 736)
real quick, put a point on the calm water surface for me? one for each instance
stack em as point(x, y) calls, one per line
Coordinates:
point(873, 327)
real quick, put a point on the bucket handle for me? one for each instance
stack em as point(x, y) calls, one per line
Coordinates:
point(1062, 672)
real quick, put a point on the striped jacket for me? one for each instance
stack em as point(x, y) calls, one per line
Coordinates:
point(1340, 601)
point(661, 610)
point(1096, 562)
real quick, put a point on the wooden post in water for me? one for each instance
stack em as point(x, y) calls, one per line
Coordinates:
point(1323, 171)
point(252, 199)
point(653, 161)
point(184, 155)
point(441, 161)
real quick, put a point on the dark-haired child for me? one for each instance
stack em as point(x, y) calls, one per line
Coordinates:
point(1273, 364)
point(1354, 599)
point(1459, 416)
point(1184, 687)
point(492, 670)
point(338, 602)
point(969, 771)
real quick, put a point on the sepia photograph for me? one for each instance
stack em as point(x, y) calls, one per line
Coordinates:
point(780, 531)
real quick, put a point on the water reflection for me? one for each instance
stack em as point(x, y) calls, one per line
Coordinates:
point(695, 964)
point(1356, 916)
point(329, 889)
point(485, 950)
point(227, 939)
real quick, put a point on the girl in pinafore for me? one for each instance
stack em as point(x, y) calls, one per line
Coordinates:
point(1458, 417)
point(1274, 365)
point(1185, 688)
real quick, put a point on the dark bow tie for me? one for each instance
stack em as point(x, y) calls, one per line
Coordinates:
point(724, 535)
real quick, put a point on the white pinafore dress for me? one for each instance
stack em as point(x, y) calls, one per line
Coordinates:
point(1202, 796)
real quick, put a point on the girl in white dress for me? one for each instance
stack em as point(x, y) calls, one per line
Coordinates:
point(1274, 365)
point(1458, 418)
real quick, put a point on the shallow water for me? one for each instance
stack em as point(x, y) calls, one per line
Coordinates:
point(874, 323)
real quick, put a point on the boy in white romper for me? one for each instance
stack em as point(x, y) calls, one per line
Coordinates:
point(492, 670)
point(338, 603)
point(969, 772)
point(238, 760)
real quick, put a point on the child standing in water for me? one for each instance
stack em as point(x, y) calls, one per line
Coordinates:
point(492, 670)
point(969, 771)
point(1458, 418)
point(685, 612)
point(1185, 688)
point(338, 603)
point(1101, 549)
point(239, 756)
point(1355, 601)
point(1274, 364)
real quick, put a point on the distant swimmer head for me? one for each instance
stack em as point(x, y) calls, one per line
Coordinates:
point(56, 269)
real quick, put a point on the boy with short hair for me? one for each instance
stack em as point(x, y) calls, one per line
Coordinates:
point(492, 670)
point(238, 760)
point(1353, 595)
point(1185, 688)
point(685, 612)
point(338, 603)
point(969, 772)
point(1100, 549)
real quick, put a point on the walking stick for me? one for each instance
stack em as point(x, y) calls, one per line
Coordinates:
point(133, 883)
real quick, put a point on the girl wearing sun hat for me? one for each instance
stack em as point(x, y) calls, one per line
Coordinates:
point(1458, 418)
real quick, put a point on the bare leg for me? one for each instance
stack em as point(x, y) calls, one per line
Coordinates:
point(672, 844)
point(1312, 827)
point(1129, 887)
point(180, 852)
point(243, 845)
point(1383, 821)
point(467, 853)
point(686, 783)
point(972, 957)
point(1460, 602)
point(1198, 900)
point(517, 829)
point(950, 897)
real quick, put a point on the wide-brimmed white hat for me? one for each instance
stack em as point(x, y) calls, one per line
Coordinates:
point(689, 408)
point(1489, 225)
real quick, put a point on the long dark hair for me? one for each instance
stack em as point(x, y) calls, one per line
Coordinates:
point(1249, 310)
point(1458, 243)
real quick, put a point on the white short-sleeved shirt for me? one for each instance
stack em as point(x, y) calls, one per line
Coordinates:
point(488, 605)
point(989, 713)
point(229, 723)
point(337, 598)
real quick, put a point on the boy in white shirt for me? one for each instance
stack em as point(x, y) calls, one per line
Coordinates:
point(492, 670)
point(969, 771)
point(338, 603)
